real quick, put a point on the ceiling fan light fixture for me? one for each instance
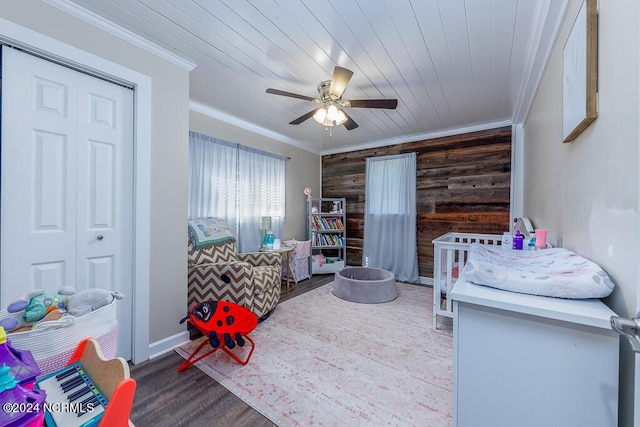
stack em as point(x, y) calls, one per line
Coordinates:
point(332, 113)
point(320, 115)
point(330, 116)
point(340, 118)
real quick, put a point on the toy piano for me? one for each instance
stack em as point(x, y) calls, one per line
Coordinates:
point(89, 391)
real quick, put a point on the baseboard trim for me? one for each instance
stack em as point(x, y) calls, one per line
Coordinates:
point(158, 348)
point(426, 280)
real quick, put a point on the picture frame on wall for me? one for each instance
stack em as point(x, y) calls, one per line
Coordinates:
point(580, 73)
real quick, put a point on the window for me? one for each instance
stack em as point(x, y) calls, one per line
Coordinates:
point(390, 216)
point(237, 183)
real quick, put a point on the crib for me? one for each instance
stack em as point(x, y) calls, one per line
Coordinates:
point(450, 253)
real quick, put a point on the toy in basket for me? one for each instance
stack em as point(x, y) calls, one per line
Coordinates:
point(89, 391)
point(38, 305)
point(53, 342)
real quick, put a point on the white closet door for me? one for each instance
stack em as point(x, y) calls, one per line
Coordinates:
point(105, 194)
point(38, 193)
point(67, 187)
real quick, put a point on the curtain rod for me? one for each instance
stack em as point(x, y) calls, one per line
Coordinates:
point(236, 144)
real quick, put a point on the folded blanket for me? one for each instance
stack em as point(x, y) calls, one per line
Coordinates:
point(302, 248)
point(207, 232)
point(555, 272)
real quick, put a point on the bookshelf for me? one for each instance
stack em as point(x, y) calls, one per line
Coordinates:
point(326, 228)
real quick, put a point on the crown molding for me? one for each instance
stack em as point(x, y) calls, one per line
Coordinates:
point(538, 53)
point(118, 31)
point(245, 125)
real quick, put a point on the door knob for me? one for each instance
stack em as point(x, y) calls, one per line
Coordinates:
point(100, 237)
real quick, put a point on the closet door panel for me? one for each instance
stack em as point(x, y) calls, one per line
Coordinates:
point(105, 193)
point(39, 162)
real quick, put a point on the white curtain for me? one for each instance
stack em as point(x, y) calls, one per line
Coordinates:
point(261, 193)
point(390, 216)
point(238, 184)
point(213, 169)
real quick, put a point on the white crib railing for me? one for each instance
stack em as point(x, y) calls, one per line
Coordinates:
point(450, 253)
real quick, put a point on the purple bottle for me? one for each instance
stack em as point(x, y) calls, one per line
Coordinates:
point(518, 241)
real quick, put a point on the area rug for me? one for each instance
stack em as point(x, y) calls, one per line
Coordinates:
point(320, 360)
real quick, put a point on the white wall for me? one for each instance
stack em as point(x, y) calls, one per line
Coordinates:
point(303, 167)
point(169, 143)
point(586, 192)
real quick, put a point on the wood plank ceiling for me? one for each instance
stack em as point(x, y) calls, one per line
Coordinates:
point(453, 65)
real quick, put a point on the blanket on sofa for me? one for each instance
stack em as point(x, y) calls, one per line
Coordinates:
point(555, 272)
point(206, 232)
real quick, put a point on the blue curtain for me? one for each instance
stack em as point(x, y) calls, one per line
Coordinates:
point(390, 216)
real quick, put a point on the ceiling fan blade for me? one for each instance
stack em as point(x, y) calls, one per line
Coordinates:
point(350, 124)
point(374, 103)
point(339, 81)
point(289, 94)
point(304, 117)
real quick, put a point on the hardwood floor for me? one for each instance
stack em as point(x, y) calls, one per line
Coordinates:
point(166, 397)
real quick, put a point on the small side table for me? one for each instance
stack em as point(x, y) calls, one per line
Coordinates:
point(286, 251)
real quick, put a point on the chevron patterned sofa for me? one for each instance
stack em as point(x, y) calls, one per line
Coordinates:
point(251, 279)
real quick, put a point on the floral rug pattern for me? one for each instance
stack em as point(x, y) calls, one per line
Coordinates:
point(323, 361)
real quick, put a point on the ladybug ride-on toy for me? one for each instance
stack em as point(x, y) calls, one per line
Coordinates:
point(226, 324)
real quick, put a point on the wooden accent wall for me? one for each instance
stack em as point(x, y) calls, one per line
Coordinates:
point(463, 185)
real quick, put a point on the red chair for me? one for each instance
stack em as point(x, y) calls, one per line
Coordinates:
point(226, 324)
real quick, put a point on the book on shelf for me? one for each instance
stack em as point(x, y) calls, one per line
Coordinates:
point(327, 240)
point(334, 223)
point(328, 223)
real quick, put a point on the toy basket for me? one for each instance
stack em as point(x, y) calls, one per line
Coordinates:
point(52, 343)
point(299, 260)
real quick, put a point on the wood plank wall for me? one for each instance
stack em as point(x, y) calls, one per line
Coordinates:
point(463, 185)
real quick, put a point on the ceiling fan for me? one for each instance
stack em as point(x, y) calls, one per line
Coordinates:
point(332, 112)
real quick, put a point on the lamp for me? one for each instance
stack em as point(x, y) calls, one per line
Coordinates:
point(330, 115)
point(265, 226)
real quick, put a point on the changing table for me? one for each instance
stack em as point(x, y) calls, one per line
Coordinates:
point(526, 360)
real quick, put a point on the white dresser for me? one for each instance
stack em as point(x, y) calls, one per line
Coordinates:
point(524, 360)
